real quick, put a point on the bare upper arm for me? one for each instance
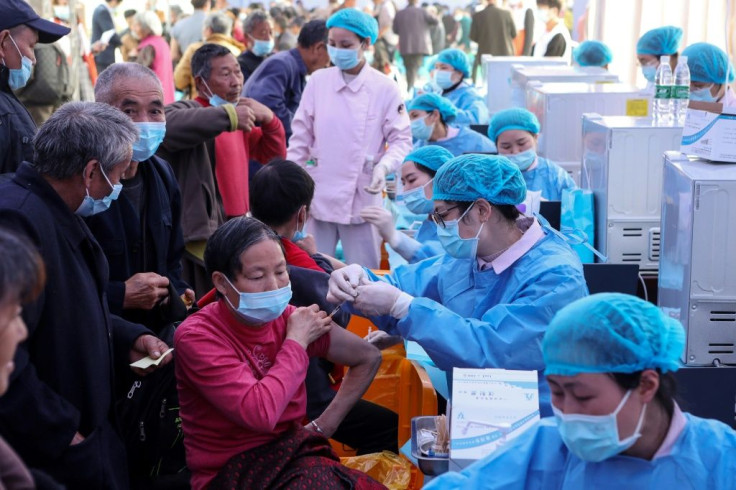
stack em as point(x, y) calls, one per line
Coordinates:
point(348, 349)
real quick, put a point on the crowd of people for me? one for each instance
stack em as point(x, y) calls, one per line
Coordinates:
point(227, 194)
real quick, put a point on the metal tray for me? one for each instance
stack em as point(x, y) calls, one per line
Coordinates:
point(428, 466)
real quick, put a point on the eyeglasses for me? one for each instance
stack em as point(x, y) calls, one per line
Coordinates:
point(439, 218)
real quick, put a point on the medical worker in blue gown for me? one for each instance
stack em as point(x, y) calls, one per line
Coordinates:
point(609, 359)
point(417, 173)
point(487, 301)
point(515, 133)
point(432, 123)
point(450, 71)
point(592, 53)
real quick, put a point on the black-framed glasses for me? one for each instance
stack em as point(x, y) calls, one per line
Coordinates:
point(439, 218)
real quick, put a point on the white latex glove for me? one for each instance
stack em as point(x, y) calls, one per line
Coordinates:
point(381, 340)
point(344, 282)
point(378, 181)
point(376, 298)
point(383, 220)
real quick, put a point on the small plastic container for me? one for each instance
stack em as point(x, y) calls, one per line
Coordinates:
point(428, 466)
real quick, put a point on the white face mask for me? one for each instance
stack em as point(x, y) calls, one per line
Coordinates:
point(594, 438)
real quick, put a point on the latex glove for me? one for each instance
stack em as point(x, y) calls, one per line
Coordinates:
point(378, 181)
point(344, 282)
point(383, 220)
point(376, 298)
point(381, 340)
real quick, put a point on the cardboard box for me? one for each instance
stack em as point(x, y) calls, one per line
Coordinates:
point(710, 132)
point(490, 407)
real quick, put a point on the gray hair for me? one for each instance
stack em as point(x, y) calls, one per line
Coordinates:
point(150, 22)
point(105, 88)
point(79, 132)
point(218, 23)
point(254, 20)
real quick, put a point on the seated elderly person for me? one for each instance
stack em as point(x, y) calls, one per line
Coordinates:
point(281, 193)
point(141, 232)
point(241, 363)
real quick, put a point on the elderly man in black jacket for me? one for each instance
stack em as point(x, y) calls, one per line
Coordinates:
point(20, 29)
point(58, 411)
point(141, 233)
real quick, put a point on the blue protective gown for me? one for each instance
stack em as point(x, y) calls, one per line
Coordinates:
point(549, 178)
point(424, 245)
point(466, 141)
point(471, 108)
point(464, 317)
point(704, 456)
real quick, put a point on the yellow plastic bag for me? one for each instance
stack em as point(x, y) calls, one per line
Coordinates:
point(385, 467)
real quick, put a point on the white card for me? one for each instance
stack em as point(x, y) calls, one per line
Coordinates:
point(147, 362)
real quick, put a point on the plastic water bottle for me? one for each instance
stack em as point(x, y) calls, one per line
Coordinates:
point(663, 92)
point(681, 91)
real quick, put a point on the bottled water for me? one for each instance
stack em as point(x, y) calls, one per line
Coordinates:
point(663, 92)
point(681, 91)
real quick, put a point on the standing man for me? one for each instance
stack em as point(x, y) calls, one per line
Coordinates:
point(385, 46)
point(141, 233)
point(189, 29)
point(58, 412)
point(20, 29)
point(258, 31)
point(279, 82)
point(412, 25)
point(494, 30)
point(102, 22)
point(209, 142)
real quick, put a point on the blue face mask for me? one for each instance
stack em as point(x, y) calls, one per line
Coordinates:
point(344, 59)
point(443, 79)
point(416, 201)
point(260, 308)
point(523, 160)
point(702, 95)
point(649, 72)
point(453, 243)
point(594, 438)
point(150, 137)
point(216, 100)
point(92, 206)
point(420, 130)
point(299, 234)
point(19, 76)
point(262, 48)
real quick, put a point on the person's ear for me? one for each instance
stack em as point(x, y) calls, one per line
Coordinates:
point(88, 172)
point(220, 282)
point(648, 385)
point(4, 34)
point(485, 210)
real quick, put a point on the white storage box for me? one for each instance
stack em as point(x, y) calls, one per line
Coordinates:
point(623, 166)
point(490, 407)
point(697, 269)
point(710, 132)
point(497, 71)
point(560, 108)
point(522, 75)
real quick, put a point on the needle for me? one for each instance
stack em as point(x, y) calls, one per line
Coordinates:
point(335, 310)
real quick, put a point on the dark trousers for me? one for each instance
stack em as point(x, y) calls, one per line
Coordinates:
point(369, 428)
point(412, 63)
